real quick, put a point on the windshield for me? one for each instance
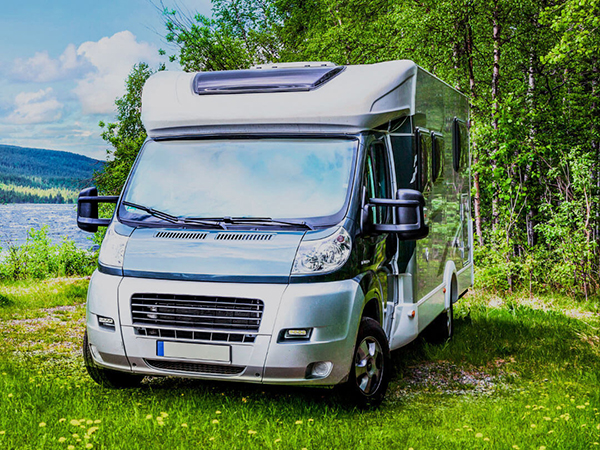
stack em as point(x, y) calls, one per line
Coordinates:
point(275, 178)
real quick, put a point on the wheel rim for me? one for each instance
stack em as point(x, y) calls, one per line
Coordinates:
point(368, 365)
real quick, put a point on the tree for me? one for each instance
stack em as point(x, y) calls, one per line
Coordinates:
point(126, 135)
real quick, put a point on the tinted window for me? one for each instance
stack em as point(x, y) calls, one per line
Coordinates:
point(405, 161)
point(424, 153)
point(377, 179)
point(437, 157)
point(460, 145)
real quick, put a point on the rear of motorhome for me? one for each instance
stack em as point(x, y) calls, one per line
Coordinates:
point(287, 224)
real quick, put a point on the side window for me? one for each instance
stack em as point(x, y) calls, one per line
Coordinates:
point(405, 161)
point(437, 157)
point(424, 158)
point(460, 145)
point(377, 180)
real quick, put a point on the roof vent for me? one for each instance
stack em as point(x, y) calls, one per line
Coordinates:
point(293, 65)
point(284, 79)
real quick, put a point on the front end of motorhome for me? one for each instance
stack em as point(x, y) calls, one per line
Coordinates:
point(288, 224)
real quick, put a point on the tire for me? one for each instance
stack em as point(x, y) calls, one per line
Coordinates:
point(108, 378)
point(442, 327)
point(371, 366)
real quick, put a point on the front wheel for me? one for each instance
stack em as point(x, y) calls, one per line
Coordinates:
point(107, 377)
point(371, 365)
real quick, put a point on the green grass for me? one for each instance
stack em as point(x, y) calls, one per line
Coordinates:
point(520, 372)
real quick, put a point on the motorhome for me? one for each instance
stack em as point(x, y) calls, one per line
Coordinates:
point(286, 224)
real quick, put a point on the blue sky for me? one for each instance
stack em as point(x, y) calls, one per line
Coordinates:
point(64, 62)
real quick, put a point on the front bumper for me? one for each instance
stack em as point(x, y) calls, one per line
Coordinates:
point(331, 309)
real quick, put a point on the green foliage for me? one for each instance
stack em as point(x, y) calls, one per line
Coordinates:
point(125, 136)
point(29, 175)
point(38, 258)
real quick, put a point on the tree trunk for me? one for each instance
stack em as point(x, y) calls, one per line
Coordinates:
point(495, 109)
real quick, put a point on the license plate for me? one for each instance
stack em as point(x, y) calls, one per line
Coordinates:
point(221, 353)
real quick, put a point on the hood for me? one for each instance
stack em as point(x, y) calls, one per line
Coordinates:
point(235, 256)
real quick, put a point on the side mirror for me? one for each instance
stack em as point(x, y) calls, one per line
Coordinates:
point(87, 209)
point(410, 206)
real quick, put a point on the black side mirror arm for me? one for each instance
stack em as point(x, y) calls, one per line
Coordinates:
point(87, 209)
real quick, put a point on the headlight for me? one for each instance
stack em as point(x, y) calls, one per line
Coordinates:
point(112, 248)
point(323, 255)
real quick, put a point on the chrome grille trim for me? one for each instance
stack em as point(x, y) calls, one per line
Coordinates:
point(197, 312)
point(189, 335)
point(211, 369)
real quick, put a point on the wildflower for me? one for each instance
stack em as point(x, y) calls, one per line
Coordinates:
point(479, 435)
point(298, 422)
point(215, 421)
point(251, 432)
point(164, 414)
point(598, 426)
point(277, 440)
point(10, 395)
point(580, 407)
point(75, 435)
point(547, 418)
point(311, 420)
point(62, 420)
point(533, 425)
point(516, 447)
point(542, 447)
point(74, 422)
point(71, 447)
point(42, 424)
point(244, 399)
point(184, 425)
point(551, 431)
point(88, 445)
point(211, 438)
point(97, 421)
point(149, 416)
point(2, 432)
point(487, 439)
point(62, 439)
point(92, 430)
point(89, 422)
point(217, 412)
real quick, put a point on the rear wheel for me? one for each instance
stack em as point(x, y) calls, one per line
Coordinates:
point(370, 372)
point(442, 327)
point(107, 377)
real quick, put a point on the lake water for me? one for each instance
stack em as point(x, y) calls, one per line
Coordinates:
point(17, 218)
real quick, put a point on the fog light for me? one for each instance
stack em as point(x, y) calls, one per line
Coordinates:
point(320, 369)
point(294, 334)
point(106, 322)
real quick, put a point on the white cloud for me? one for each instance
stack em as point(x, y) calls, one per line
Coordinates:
point(36, 107)
point(42, 68)
point(112, 57)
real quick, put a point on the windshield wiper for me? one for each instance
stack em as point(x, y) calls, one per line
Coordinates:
point(174, 219)
point(234, 220)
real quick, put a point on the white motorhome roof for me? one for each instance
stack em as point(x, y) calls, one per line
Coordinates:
point(352, 99)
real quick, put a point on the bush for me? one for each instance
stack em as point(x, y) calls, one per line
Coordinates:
point(39, 258)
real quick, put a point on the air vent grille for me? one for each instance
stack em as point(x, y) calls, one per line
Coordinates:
point(244, 237)
point(196, 368)
point(180, 235)
point(195, 335)
point(197, 312)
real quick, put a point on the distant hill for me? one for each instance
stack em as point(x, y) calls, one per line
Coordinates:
point(32, 175)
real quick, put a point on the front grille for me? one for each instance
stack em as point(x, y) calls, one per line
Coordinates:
point(193, 367)
point(197, 312)
point(195, 335)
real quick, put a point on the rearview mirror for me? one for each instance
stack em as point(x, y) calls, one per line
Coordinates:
point(87, 209)
point(410, 213)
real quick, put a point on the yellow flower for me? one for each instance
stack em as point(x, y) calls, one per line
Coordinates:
point(486, 439)
point(215, 421)
point(42, 424)
point(164, 414)
point(542, 447)
point(184, 425)
point(88, 445)
point(74, 422)
point(10, 395)
point(71, 447)
point(149, 416)
point(62, 420)
point(3, 432)
point(251, 432)
point(62, 439)
point(217, 412)
point(277, 440)
point(580, 407)
point(97, 421)
point(89, 422)
point(211, 438)
point(92, 430)
point(298, 422)
point(516, 447)
point(547, 418)
point(479, 435)
point(533, 425)
point(75, 435)
point(551, 431)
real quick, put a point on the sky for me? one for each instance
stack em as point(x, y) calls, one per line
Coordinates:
point(64, 62)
